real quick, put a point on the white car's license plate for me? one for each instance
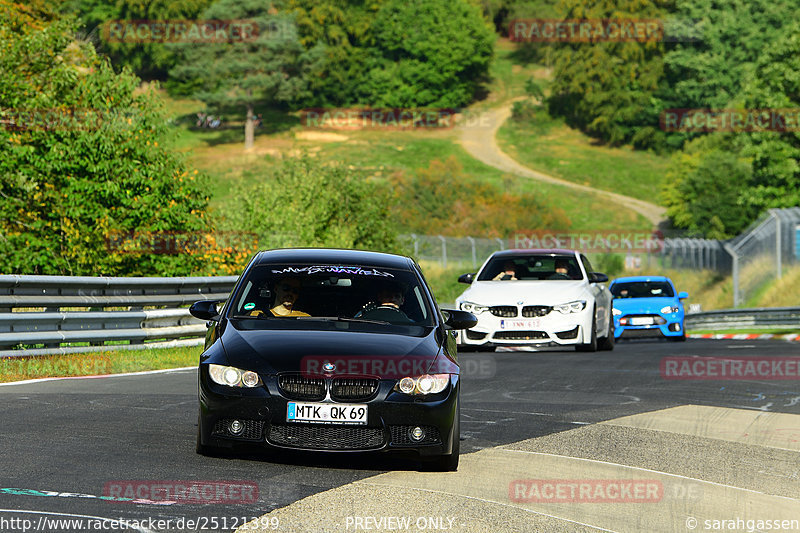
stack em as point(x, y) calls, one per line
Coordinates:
point(349, 413)
point(520, 324)
point(642, 321)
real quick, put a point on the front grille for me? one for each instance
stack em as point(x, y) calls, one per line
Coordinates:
point(520, 335)
point(401, 437)
point(326, 437)
point(641, 333)
point(253, 429)
point(532, 311)
point(302, 388)
point(353, 389)
point(505, 311)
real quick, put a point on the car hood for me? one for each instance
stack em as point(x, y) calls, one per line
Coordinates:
point(270, 351)
point(528, 292)
point(643, 305)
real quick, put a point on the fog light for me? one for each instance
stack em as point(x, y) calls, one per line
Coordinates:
point(417, 434)
point(236, 427)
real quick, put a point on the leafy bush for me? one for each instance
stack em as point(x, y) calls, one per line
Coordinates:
point(82, 156)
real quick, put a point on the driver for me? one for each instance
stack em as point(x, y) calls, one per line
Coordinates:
point(561, 270)
point(387, 308)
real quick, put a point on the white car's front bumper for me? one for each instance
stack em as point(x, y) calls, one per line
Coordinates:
point(554, 328)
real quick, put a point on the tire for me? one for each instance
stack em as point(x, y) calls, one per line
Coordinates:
point(591, 346)
point(607, 342)
point(449, 462)
point(681, 338)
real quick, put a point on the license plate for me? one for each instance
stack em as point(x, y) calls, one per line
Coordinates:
point(350, 413)
point(642, 321)
point(519, 324)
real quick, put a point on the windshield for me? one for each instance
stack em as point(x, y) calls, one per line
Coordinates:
point(531, 267)
point(642, 289)
point(351, 293)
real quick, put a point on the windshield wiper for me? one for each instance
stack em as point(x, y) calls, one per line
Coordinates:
point(344, 319)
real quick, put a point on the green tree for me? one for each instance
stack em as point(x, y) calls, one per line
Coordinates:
point(428, 53)
point(306, 203)
point(82, 156)
point(148, 60)
point(605, 88)
point(273, 67)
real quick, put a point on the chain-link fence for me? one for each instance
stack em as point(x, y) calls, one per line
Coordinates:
point(754, 258)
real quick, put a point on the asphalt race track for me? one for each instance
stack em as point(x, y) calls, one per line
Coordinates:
point(652, 454)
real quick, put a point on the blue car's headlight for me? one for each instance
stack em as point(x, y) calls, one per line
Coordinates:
point(671, 309)
point(233, 377)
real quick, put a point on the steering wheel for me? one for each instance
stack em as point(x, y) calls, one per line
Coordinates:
point(372, 306)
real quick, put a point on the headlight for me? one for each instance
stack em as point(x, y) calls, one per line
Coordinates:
point(670, 309)
point(425, 384)
point(572, 307)
point(473, 307)
point(616, 312)
point(233, 377)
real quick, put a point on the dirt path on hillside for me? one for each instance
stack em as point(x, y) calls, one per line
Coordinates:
point(477, 137)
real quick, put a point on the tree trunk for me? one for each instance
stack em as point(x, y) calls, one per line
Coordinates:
point(249, 128)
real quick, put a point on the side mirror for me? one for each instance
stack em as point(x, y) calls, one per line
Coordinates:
point(467, 278)
point(459, 319)
point(683, 295)
point(597, 277)
point(205, 310)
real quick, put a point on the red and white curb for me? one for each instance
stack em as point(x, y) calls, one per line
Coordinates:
point(792, 337)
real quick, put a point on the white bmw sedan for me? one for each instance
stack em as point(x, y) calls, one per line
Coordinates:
point(537, 298)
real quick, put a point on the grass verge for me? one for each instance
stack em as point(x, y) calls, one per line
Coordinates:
point(97, 363)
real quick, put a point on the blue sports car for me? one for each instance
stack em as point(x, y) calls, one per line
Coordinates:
point(647, 306)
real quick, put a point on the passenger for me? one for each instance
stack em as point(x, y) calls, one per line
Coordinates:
point(509, 272)
point(286, 292)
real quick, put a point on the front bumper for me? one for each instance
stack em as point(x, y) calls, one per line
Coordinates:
point(391, 416)
point(552, 329)
point(671, 325)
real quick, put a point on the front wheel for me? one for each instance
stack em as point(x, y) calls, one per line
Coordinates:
point(607, 342)
point(592, 345)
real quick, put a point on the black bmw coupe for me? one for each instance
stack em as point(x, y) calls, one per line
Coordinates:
point(331, 351)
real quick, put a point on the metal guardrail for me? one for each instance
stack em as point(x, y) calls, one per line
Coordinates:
point(41, 310)
point(756, 318)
